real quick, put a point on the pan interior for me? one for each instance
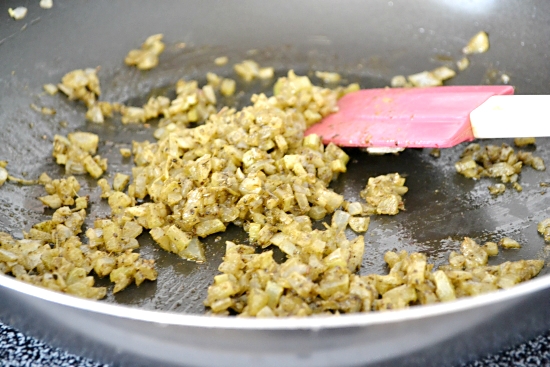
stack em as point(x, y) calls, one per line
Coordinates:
point(442, 207)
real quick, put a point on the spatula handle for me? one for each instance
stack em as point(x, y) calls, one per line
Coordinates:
point(512, 116)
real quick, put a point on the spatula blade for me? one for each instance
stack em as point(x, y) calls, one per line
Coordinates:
point(435, 117)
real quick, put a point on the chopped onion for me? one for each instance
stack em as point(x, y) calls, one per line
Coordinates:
point(478, 44)
point(18, 13)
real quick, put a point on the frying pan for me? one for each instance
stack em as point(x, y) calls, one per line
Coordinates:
point(161, 323)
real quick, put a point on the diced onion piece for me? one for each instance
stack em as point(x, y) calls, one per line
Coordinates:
point(424, 79)
point(463, 64)
point(444, 289)
point(208, 227)
point(443, 73)
point(220, 61)
point(51, 89)
point(497, 189)
point(490, 248)
point(248, 69)
point(125, 152)
point(359, 224)
point(507, 243)
point(3, 175)
point(477, 44)
point(328, 77)
point(266, 73)
point(227, 87)
point(398, 81)
point(120, 181)
point(46, 4)
point(18, 13)
point(521, 142)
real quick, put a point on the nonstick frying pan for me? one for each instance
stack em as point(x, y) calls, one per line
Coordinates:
point(367, 42)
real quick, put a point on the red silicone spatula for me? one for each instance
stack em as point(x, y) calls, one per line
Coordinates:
point(437, 117)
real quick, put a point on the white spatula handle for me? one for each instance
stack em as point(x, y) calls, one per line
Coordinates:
point(512, 116)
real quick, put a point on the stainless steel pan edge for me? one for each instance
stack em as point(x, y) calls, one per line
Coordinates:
point(130, 336)
point(388, 37)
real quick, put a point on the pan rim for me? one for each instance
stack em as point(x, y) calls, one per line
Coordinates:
point(166, 318)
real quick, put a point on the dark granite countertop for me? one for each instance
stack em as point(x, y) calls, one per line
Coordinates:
point(17, 350)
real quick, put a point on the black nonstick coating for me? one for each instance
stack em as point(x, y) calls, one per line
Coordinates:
point(441, 206)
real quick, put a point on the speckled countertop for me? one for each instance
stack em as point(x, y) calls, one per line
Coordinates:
point(16, 350)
